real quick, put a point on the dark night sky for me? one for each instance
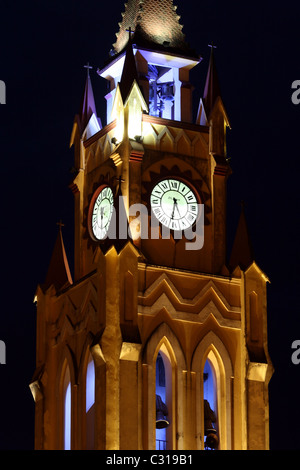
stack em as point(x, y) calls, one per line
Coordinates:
point(43, 47)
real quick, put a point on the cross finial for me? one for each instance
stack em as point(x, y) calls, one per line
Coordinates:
point(60, 224)
point(120, 180)
point(130, 31)
point(212, 46)
point(88, 67)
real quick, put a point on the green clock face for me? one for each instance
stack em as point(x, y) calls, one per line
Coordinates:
point(100, 213)
point(174, 203)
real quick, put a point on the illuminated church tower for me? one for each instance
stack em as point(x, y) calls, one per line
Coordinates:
point(157, 341)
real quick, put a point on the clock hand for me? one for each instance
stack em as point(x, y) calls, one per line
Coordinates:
point(175, 206)
point(101, 215)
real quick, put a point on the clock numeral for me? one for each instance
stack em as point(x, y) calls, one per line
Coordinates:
point(165, 220)
point(164, 185)
point(190, 197)
point(157, 211)
point(183, 224)
point(183, 188)
point(100, 233)
point(174, 184)
point(174, 225)
point(154, 201)
point(193, 208)
point(191, 217)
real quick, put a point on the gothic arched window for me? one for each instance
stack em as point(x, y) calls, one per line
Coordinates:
point(163, 400)
point(67, 403)
point(90, 404)
point(164, 366)
point(210, 404)
point(214, 374)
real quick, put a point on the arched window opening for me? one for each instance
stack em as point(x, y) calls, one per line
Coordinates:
point(254, 317)
point(210, 407)
point(163, 391)
point(90, 404)
point(211, 357)
point(161, 91)
point(67, 409)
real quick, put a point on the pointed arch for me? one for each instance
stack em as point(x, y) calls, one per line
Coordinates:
point(91, 395)
point(213, 350)
point(150, 134)
point(67, 410)
point(166, 140)
point(165, 394)
point(90, 403)
point(66, 379)
point(183, 143)
point(164, 341)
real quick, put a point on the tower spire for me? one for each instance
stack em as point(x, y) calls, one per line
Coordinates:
point(59, 273)
point(86, 120)
point(129, 73)
point(88, 106)
point(242, 251)
point(156, 25)
point(212, 86)
point(88, 67)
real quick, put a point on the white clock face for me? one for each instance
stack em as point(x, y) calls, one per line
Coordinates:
point(102, 212)
point(174, 204)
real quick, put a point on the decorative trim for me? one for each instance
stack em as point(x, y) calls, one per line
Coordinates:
point(136, 156)
point(170, 123)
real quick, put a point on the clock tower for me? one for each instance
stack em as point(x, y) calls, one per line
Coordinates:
point(159, 338)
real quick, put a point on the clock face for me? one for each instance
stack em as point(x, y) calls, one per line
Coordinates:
point(100, 213)
point(174, 204)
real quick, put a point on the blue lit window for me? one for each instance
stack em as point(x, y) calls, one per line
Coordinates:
point(210, 407)
point(161, 91)
point(162, 390)
point(90, 385)
point(67, 411)
point(90, 404)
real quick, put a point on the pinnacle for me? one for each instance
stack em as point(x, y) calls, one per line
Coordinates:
point(58, 272)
